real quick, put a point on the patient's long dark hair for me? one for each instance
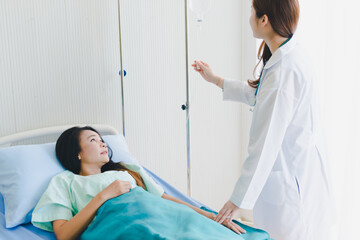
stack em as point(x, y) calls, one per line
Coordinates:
point(68, 149)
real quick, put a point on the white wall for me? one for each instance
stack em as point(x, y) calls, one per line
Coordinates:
point(330, 31)
point(59, 64)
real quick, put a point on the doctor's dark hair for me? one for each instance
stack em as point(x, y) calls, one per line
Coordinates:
point(68, 148)
point(283, 16)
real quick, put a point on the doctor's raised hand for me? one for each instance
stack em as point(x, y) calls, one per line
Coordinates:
point(207, 73)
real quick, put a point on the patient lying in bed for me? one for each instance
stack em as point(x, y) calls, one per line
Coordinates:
point(97, 198)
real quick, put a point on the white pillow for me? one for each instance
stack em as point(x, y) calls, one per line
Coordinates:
point(26, 170)
point(120, 149)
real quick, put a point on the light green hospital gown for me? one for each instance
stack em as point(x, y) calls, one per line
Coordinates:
point(68, 193)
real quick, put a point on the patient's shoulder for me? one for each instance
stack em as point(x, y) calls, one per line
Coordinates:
point(64, 174)
point(63, 177)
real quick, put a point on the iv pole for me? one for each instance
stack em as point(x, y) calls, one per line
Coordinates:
point(121, 73)
point(186, 106)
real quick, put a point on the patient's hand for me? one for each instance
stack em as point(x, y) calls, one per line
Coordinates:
point(233, 226)
point(115, 189)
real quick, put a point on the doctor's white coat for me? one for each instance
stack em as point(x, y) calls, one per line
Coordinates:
point(285, 176)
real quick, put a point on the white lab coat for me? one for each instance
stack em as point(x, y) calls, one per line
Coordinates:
point(285, 176)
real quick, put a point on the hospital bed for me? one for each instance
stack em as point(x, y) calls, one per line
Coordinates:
point(26, 169)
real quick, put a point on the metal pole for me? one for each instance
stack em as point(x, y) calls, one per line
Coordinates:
point(187, 102)
point(121, 72)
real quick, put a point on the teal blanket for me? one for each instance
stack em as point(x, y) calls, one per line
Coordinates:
point(141, 215)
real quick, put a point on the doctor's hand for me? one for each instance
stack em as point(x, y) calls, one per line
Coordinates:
point(227, 213)
point(207, 73)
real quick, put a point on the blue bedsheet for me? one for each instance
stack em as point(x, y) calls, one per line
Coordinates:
point(141, 215)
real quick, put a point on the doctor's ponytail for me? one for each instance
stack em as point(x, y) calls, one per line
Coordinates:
point(283, 16)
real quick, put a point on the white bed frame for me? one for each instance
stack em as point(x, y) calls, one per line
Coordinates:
point(47, 131)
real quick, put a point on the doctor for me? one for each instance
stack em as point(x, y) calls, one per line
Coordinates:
point(284, 178)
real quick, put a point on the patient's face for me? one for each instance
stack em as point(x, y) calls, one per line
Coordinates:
point(93, 150)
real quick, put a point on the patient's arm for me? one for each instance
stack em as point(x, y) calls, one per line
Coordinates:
point(73, 228)
point(231, 225)
point(198, 210)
